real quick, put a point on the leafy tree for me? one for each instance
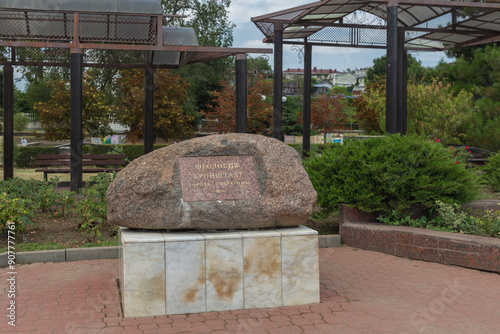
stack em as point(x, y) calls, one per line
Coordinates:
point(415, 70)
point(434, 111)
point(370, 107)
point(477, 71)
point(221, 117)
point(327, 113)
point(55, 114)
point(292, 112)
point(169, 97)
point(209, 18)
point(21, 121)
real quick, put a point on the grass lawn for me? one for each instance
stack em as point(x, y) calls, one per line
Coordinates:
point(29, 173)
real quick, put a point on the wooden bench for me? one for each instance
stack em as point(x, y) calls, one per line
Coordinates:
point(101, 163)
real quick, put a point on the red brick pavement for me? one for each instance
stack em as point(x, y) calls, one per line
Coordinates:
point(361, 292)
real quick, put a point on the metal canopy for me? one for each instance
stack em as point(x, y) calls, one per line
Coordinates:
point(427, 24)
point(60, 26)
point(112, 6)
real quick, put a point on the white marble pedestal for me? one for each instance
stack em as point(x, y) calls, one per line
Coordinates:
point(191, 272)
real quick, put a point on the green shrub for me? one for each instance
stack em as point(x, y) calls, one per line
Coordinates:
point(390, 173)
point(492, 169)
point(93, 208)
point(26, 157)
point(18, 210)
point(21, 121)
point(134, 151)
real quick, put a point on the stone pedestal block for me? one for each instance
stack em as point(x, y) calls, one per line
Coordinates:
point(191, 272)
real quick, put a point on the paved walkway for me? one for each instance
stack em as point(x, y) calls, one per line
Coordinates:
point(361, 292)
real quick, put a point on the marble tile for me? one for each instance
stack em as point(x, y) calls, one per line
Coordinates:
point(143, 273)
point(224, 271)
point(185, 272)
point(299, 230)
point(262, 269)
point(300, 266)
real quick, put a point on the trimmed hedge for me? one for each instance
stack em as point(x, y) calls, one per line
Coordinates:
point(26, 157)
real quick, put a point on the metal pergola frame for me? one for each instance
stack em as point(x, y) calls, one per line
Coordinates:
point(394, 25)
point(83, 30)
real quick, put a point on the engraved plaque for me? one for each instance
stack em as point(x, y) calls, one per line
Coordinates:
point(218, 178)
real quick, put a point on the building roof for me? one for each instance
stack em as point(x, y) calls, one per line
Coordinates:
point(427, 24)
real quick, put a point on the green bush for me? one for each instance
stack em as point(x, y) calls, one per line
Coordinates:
point(93, 207)
point(26, 157)
point(134, 151)
point(393, 173)
point(18, 210)
point(21, 121)
point(492, 169)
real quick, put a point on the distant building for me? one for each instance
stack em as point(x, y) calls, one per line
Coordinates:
point(292, 73)
point(327, 79)
point(360, 87)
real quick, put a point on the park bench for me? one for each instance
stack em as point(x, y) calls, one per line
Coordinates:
point(92, 163)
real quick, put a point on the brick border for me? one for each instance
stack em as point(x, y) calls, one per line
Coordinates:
point(463, 250)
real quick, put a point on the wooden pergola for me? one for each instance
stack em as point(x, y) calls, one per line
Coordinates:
point(70, 30)
point(394, 25)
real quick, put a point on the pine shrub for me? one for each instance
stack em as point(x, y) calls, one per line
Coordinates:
point(390, 173)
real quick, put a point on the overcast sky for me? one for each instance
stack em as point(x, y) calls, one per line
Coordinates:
point(246, 34)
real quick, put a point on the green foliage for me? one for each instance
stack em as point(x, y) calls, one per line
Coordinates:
point(55, 115)
point(492, 169)
point(26, 158)
point(21, 121)
point(434, 111)
point(291, 111)
point(93, 207)
point(390, 173)
point(18, 210)
point(415, 69)
point(477, 71)
point(209, 18)
point(39, 195)
point(452, 218)
point(170, 94)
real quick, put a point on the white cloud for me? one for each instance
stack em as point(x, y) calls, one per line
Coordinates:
point(242, 11)
point(246, 34)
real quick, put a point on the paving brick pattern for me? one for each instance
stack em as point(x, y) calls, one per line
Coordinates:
point(361, 292)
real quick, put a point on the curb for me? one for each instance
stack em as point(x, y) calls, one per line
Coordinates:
point(113, 252)
point(63, 255)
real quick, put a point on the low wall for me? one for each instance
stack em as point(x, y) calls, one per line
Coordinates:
point(357, 230)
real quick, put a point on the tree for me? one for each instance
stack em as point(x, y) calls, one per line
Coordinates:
point(221, 115)
point(327, 113)
point(292, 110)
point(55, 114)
point(169, 98)
point(209, 18)
point(477, 71)
point(370, 107)
point(415, 70)
point(434, 111)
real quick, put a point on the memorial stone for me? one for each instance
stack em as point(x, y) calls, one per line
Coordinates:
point(233, 181)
